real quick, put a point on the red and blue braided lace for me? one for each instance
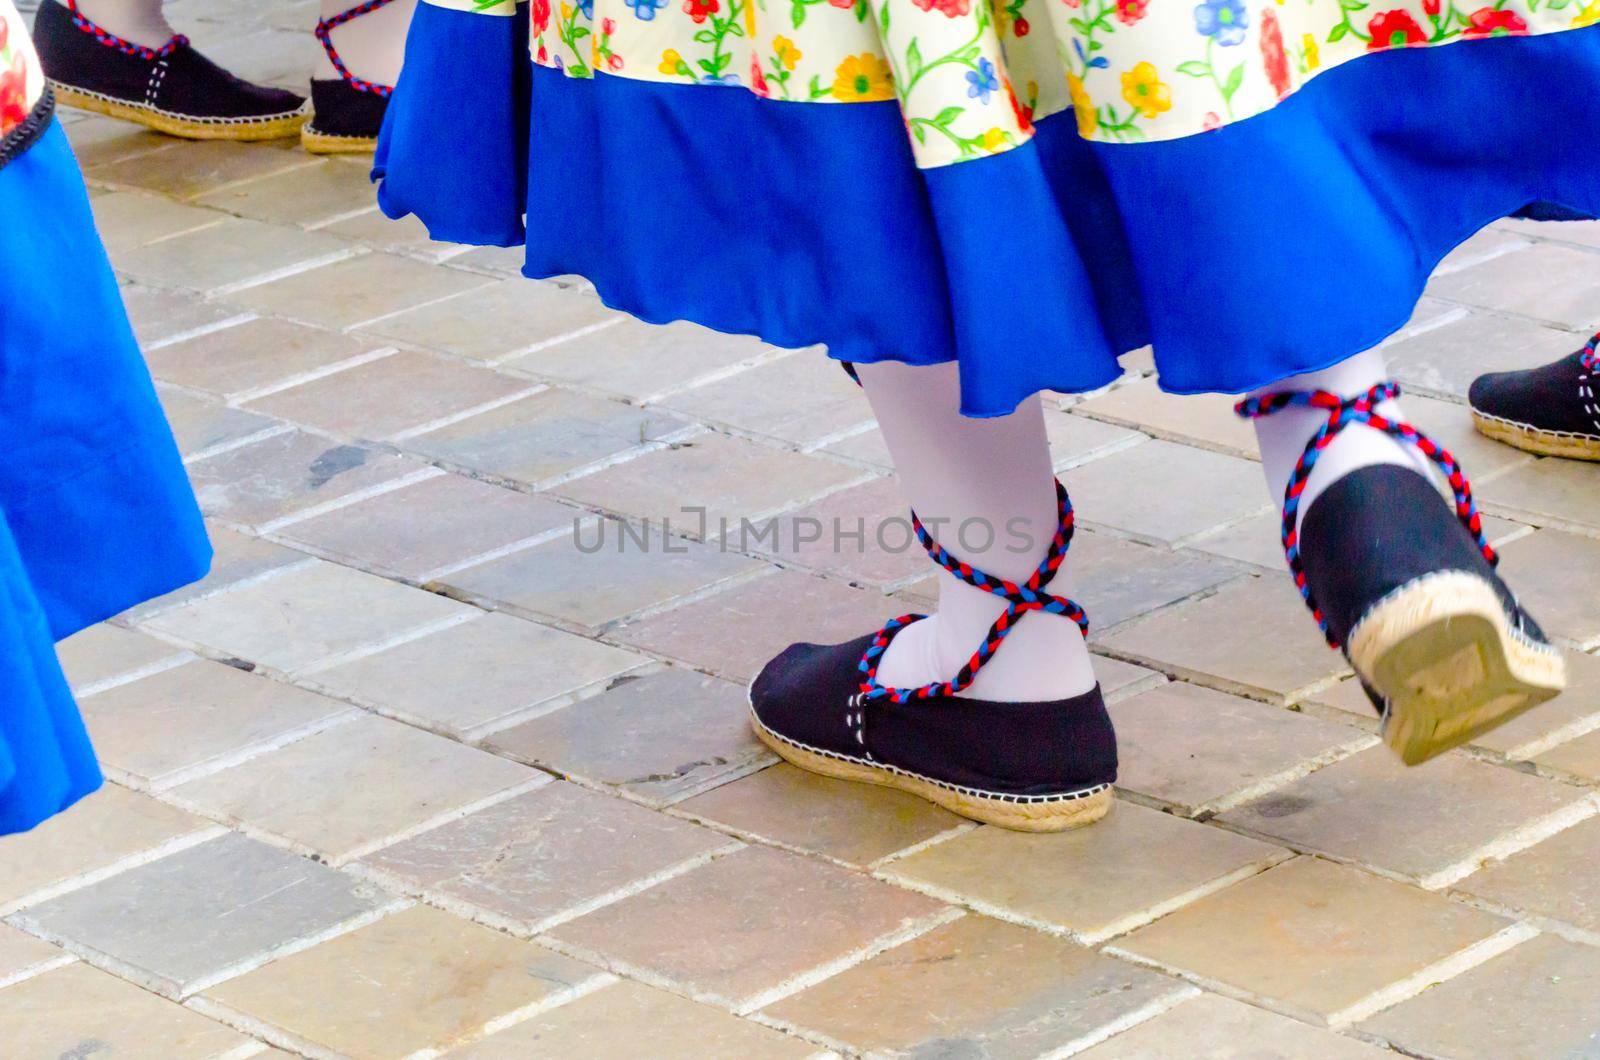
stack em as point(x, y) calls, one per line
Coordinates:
point(126, 47)
point(324, 31)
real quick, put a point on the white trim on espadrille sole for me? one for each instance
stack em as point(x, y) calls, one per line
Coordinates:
point(1574, 445)
point(69, 96)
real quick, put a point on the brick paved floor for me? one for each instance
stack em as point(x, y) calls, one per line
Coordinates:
point(412, 774)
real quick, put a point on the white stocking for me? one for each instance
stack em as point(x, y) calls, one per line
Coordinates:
point(371, 45)
point(139, 21)
point(985, 490)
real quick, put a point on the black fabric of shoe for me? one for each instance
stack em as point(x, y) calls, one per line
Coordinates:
point(808, 696)
point(1378, 529)
point(174, 80)
point(344, 110)
point(1562, 397)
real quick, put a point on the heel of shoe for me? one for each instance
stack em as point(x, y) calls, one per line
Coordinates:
point(1446, 658)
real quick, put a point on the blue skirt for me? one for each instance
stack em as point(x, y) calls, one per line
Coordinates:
point(96, 513)
point(1280, 244)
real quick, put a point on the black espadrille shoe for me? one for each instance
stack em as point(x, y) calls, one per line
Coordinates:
point(172, 89)
point(1408, 589)
point(349, 110)
point(1553, 410)
point(1034, 767)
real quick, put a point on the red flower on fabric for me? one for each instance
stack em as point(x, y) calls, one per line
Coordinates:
point(1021, 28)
point(1272, 53)
point(1072, 3)
point(544, 54)
point(5, 33)
point(949, 8)
point(1024, 113)
point(613, 61)
point(1430, 8)
point(844, 5)
point(1131, 11)
point(700, 10)
point(1393, 29)
point(758, 78)
point(608, 26)
point(1487, 22)
point(541, 15)
point(13, 96)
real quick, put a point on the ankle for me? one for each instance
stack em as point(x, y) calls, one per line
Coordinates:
point(140, 22)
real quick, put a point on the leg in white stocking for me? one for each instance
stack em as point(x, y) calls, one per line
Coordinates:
point(140, 21)
point(985, 490)
point(371, 45)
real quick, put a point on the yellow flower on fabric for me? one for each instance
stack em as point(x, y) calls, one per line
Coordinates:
point(1082, 106)
point(786, 52)
point(750, 18)
point(1314, 55)
point(1588, 16)
point(994, 139)
point(670, 61)
point(1142, 87)
point(862, 78)
point(567, 11)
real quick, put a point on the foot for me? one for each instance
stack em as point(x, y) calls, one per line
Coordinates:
point(1034, 767)
point(1552, 411)
point(172, 89)
point(1407, 588)
point(349, 109)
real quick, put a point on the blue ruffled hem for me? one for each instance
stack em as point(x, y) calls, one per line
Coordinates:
point(96, 512)
point(1273, 246)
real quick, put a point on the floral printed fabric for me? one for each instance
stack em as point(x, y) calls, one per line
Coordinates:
point(21, 82)
point(972, 76)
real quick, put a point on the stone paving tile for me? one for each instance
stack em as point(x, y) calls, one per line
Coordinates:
point(1450, 424)
point(1551, 984)
point(390, 396)
point(417, 980)
point(1586, 233)
point(531, 862)
point(97, 141)
point(1556, 576)
point(1219, 1027)
point(187, 170)
point(797, 399)
point(853, 823)
point(407, 235)
point(106, 653)
point(128, 219)
point(1548, 493)
point(1552, 879)
point(1206, 420)
point(1347, 702)
point(492, 322)
point(1076, 440)
point(259, 483)
point(1575, 711)
point(236, 558)
point(1316, 940)
point(1430, 825)
point(357, 290)
point(1580, 757)
point(346, 790)
point(1445, 360)
point(1119, 680)
point(1486, 244)
point(822, 536)
point(976, 987)
point(660, 737)
point(600, 576)
point(731, 478)
point(478, 676)
point(306, 195)
point(1117, 581)
point(182, 922)
point(736, 632)
point(421, 530)
point(23, 956)
point(745, 924)
point(110, 826)
point(1232, 748)
point(1092, 882)
point(200, 425)
point(643, 361)
point(1516, 283)
point(1257, 541)
point(160, 316)
point(305, 615)
point(79, 1011)
point(227, 256)
point(551, 433)
point(255, 355)
point(617, 1021)
point(1165, 509)
point(222, 713)
point(1273, 650)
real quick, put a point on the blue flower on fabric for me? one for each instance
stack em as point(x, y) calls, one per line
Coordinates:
point(645, 10)
point(1224, 20)
point(982, 82)
point(587, 8)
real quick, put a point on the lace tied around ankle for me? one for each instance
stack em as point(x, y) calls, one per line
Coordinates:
point(126, 47)
point(324, 32)
point(1342, 412)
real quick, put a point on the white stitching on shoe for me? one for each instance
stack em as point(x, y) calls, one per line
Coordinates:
point(158, 74)
point(1586, 396)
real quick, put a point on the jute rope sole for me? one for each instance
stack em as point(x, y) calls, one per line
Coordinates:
point(274, 128)
point(1534, 440)
point(321, 143)
point(1443, 653)
point(1057, 815)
